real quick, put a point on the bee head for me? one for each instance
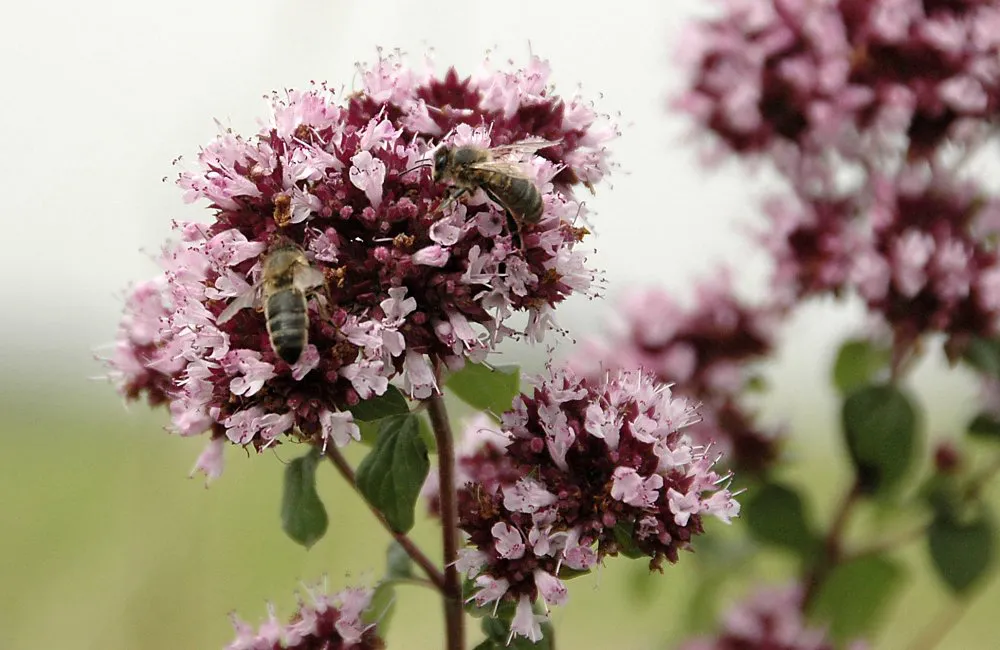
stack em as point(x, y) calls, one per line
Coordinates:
point(441, 158)
point(278, 241)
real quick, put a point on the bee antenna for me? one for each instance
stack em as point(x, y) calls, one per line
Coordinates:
point(415, 167)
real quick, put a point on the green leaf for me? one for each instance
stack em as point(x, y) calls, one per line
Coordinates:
point(399, 565)
point(488, 644)
point(858, 362)
point(369, 432)
point(427, 434)
point(494, 629)
point(391, 402)
point(962, 551)
point(382, 608)
point(487, 390)
point(984, 355)
point(942, 492)
point(880, 427)
point(775, 514)
point(303, 516)
point(626, 543)
point(856, 595)
point(392, 474)
point(368, 413)
point(985, 426)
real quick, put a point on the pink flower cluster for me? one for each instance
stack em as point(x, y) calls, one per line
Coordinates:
point(706, 351)
point(870, 109)
point(410, 284)
point(594, 468)
point(329, 622)
point(912, 246)
point(771, 619)
point(805, 76)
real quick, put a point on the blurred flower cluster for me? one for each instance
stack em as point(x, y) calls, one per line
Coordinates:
point(329, 622)
point(770, 619)
point(790, 77)
point(871, 111)
point(876, 115)
point(410, 280)
point(914, 246)
point(705, 352)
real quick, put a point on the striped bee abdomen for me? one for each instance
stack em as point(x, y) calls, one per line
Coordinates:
point(524, 199)
point(287, 323)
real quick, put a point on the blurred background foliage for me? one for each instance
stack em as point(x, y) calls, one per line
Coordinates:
point(106, 544)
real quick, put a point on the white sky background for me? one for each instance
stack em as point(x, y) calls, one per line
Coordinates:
point(99, 96)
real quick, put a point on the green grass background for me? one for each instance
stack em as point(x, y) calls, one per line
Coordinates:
point(106, 544)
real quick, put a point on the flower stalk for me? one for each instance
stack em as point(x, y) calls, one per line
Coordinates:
point(418, 556)
point(832, 546)
point(453, 612)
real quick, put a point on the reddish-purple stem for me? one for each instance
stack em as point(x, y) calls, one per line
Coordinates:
point(433, 573)
point(453, 612)
point(832, 551)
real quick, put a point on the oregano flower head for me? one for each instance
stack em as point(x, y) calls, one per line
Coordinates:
point(409, 278)
point(591, 469)
point(332, 622)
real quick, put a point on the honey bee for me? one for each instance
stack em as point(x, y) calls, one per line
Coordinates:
point(286, 281)
point(469, 168)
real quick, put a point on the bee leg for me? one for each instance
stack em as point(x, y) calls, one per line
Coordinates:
point(513, 225)
point(453, 196)
point(324, 312)
point(322, 295)
point(515, 231)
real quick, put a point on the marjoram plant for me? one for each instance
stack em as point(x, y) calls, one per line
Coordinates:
point(403, 280)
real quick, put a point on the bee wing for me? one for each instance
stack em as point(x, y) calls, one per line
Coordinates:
point(307, 277)
point(501, 167)
point(523, 147)
point(246, 299)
